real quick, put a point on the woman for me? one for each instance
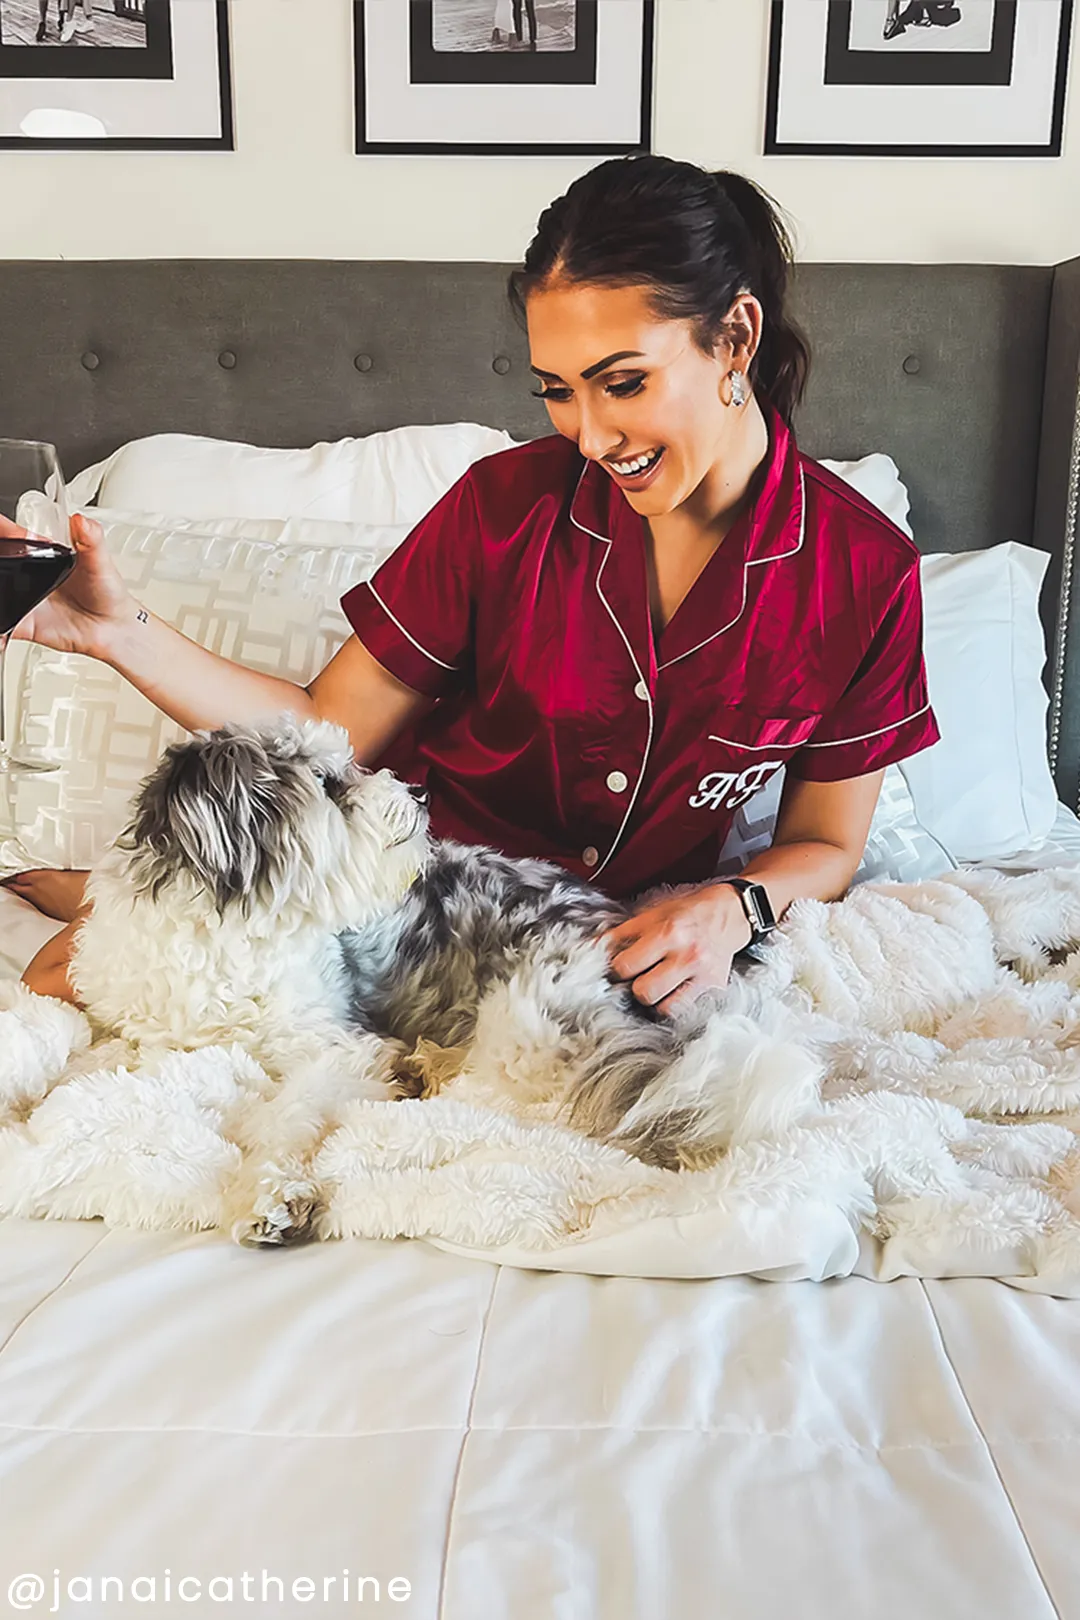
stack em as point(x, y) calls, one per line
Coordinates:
point(598, 666)
point(921, 14)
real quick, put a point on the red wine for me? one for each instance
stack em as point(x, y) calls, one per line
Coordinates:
point(29, 570)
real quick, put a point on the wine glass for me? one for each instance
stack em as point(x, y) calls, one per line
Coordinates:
point(36, 553)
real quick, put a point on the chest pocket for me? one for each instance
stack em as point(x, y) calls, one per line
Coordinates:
point(746, 748)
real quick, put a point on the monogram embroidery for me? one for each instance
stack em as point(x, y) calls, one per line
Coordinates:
point(713, 789)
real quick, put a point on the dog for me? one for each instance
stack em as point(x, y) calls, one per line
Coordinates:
point(268, 890)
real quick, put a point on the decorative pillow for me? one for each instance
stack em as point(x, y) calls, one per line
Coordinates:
point(898, 847)
point(385, 478)
point(985, 789)
point(269, 605)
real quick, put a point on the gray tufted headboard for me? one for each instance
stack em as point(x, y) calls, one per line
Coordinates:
point(966, 375)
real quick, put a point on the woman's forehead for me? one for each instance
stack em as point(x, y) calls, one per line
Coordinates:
point(571, 330)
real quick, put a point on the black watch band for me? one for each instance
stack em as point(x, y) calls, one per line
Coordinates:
point(756, 905)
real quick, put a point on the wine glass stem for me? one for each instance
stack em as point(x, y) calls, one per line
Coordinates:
point(4, 639)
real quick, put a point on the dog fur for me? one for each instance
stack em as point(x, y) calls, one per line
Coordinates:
point(270, 892)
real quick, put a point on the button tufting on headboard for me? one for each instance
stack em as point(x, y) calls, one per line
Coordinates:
point(363, 362)
point(227, 360)
point(501, 364)
point(913, 365)
point(90, 361)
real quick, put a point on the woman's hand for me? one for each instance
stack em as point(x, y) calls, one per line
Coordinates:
point(79, 613)
point(679, 948)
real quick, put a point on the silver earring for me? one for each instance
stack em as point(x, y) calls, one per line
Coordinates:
point(738, 388)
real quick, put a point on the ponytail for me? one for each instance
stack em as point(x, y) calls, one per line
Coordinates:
point(694, 239)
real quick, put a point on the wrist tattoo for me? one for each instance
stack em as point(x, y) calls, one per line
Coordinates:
point(142, 617)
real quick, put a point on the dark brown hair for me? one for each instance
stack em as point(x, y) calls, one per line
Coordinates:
point(694, 240)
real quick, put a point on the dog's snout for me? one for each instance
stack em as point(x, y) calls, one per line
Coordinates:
point(420, 794)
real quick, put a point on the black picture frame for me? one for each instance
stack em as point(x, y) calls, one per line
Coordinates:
point(843, 66)
point(476, 68)
point(153, 63)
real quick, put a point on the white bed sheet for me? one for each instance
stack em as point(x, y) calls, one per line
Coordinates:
point(527, 1444)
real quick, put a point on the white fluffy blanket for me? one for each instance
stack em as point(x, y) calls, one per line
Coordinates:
point(943, 1138)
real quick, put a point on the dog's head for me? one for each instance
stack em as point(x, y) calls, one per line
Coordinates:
point(277, 819)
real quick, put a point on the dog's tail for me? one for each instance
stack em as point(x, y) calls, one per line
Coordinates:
point(680, 1103)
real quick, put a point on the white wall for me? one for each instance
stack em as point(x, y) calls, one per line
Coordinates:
point(295, 189)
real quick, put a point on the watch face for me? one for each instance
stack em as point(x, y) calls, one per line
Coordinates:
point(759, 899)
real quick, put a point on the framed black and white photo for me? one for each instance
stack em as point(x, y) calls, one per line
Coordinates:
point(917, 78)
point(104, 74)
point(504, 77)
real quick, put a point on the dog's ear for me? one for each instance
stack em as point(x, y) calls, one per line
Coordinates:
point(220, 808)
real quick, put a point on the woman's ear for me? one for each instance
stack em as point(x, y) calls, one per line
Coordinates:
point(742, 329)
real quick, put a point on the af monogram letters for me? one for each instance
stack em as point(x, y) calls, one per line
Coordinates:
point(726, 790)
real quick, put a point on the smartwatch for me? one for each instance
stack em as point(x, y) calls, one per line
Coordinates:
point(755, 903)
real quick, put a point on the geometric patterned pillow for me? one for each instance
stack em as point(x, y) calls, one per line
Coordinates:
point(898, 847)
point(269, 605)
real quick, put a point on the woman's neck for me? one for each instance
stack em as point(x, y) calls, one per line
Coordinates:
point(679, 544)
point(706, 517)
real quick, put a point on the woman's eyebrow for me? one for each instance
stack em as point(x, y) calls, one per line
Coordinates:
point(590, 371)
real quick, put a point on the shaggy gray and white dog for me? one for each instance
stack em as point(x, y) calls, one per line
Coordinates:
point(270, 891)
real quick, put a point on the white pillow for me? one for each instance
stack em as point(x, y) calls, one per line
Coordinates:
point(985, 789)
point(264, 603)
point(385, 478)
point(391, 477)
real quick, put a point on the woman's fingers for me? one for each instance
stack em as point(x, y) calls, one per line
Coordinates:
point(85, 532)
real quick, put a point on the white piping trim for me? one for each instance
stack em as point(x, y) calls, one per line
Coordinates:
point(648, 741)
point(403, 630)
point(752, 564)
point(753, 748)
point(778, 555)
point(637, 668)
point(839, 742)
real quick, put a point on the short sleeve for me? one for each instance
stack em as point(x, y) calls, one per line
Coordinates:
point(884, 714)
point(415, 615)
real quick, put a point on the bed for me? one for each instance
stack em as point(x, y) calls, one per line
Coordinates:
point(470, 1440)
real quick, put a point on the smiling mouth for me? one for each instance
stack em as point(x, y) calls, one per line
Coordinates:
point(644, 474)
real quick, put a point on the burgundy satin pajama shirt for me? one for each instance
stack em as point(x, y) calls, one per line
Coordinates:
point(565, 729)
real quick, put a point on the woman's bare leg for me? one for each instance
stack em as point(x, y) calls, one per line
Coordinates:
point(47, 974)
point(56, 894)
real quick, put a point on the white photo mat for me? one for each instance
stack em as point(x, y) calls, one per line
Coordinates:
point(190, 109)
point(396, 114)
point(809, 115)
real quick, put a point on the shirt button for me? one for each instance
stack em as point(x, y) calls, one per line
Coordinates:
point(590, 856)
point(641, 691)
point(616, 782)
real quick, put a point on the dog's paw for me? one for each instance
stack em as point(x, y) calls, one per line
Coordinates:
point(284, 1213)
point(425, 1070)
point(406, 1083)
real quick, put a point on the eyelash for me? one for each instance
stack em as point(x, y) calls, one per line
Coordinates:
point(620, 391)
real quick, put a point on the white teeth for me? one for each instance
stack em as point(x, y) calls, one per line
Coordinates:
point(629, 467)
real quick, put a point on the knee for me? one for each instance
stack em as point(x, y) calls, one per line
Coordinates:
point(47, 974)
